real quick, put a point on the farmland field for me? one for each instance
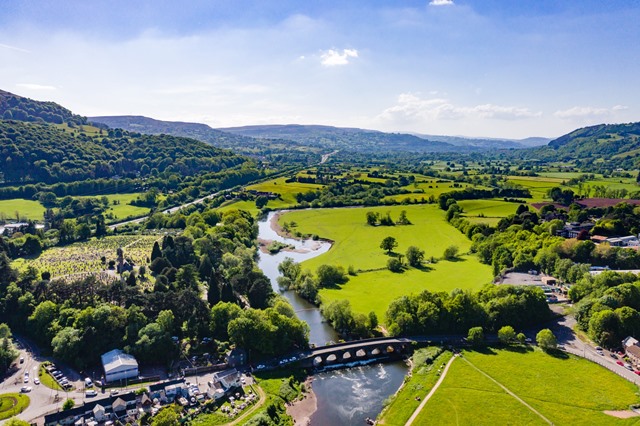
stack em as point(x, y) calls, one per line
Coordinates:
point(123, 209)
point(83, 258)
point(28, 209)
point(429, 188)
point(566, 391)
point(286, 190)
point(480, 210)
point(357, 244)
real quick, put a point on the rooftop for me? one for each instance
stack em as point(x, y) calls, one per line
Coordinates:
point(116, 358)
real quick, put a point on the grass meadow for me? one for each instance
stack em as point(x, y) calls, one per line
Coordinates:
point(123, 209)
point(27, 209)
point(286, 190)
point(567, 391)
point(423, 377)
point(357, 244)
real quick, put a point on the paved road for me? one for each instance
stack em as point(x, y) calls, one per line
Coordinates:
point(171, 210)
point(563, 330)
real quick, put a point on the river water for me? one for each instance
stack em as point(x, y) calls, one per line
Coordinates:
point(347, 396)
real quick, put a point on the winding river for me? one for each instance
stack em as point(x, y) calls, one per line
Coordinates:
point(344, 397)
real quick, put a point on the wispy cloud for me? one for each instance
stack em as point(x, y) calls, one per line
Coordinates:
point(587, 112)
point(440, 2)
point(33, 86)
point(18, 49)
point(332, 58)
point(411, 107)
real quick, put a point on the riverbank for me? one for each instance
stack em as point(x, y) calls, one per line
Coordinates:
point(302, 409)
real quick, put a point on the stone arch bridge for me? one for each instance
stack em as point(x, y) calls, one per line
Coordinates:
point(359, 350)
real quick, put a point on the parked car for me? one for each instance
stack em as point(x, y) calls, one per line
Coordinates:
point(620, 363)
point(90, 393)
point(25, 389)
point(26, 377)
point(36, 381)
point(628, 367)
point(88, 383)
point(21, 360)
point(613, 355)
point(637, 372)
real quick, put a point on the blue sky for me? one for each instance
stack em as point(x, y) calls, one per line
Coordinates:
point(476, 68)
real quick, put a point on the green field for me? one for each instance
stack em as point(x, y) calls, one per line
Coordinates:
point(286, 190)
point(422, 378)
point(487, 211)
point(123, 209)
point(358, 244)
point(27, 209)
point(567, 391)
point(428, 188)
point(540, 185)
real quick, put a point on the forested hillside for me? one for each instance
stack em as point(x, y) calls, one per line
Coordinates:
point(31, 152)
point(601, 141)
point(14, 107)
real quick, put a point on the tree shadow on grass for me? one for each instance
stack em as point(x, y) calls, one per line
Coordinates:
point(485, 350)
point(424, 268)
point(521, 349)
point(557, 353)
point(455, 259)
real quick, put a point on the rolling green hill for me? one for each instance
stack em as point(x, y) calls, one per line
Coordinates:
point(14, 107)
point(601, 141)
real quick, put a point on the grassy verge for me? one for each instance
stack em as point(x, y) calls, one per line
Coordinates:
point(47, 380)
point(424, 374)
point(12, 404)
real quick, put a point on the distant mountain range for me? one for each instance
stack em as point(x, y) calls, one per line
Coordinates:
point(603, 141)
point(488, 143)
point(313, 136)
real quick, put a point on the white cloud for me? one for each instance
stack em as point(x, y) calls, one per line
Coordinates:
point(586, 112)
point(32, 86)
point(410, 107)
point(440, 2)
point(332, 58)
point(19, 49)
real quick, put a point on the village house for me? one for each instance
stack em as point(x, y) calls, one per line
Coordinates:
point(632, 350)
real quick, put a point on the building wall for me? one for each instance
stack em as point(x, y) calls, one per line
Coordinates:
point(121, 375)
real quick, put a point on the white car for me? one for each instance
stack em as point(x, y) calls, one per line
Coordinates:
point(26, 377)
point(91, 393)
point(25, 389)
point(36, 381)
